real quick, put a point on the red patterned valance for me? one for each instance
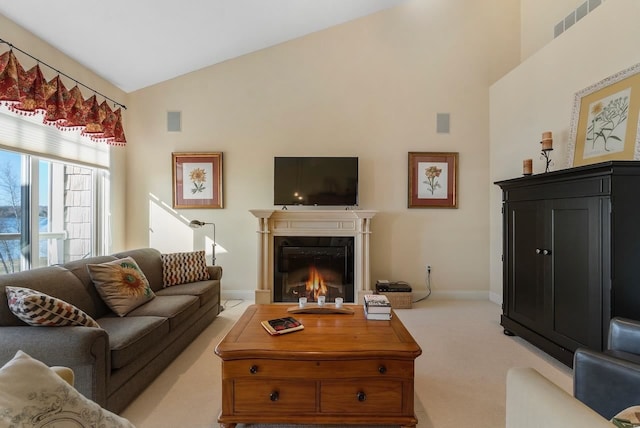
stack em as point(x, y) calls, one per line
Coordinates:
point(27, 92)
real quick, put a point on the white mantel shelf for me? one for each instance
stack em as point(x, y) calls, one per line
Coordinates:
point(355, 223)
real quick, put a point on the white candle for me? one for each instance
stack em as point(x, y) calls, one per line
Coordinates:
point(321, 300)
point(302, 302)
point(339, 301)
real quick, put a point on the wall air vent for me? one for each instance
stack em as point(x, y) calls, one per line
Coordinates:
point(575, 16)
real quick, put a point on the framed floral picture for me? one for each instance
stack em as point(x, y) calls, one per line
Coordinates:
point(604, 125)
point(433, 180)
point(197, 180)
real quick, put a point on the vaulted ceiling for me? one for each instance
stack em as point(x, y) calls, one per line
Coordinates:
point(135, 44)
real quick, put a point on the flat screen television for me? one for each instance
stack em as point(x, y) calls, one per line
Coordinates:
point(322, 181)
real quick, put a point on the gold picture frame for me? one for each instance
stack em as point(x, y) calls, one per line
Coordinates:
point(197, 180)
point(604, 124)
point(433, 180)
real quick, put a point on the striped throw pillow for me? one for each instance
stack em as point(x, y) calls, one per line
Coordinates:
point(39, 309)
point(180, 268)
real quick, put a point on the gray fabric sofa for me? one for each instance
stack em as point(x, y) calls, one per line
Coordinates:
point(114, 363)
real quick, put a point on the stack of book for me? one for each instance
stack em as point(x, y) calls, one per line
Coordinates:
point(377, 307)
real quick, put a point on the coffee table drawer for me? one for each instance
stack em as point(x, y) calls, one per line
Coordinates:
point(273, 396)
point(366, 396)
point(319, 369)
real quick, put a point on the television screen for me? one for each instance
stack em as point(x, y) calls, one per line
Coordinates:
point(315, 181)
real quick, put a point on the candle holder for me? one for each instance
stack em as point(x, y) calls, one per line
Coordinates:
point(545, 155)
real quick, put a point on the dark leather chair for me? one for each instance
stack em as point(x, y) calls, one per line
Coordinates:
point(609, 381)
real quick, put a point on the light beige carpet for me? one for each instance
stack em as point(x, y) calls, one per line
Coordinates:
point(459, 378)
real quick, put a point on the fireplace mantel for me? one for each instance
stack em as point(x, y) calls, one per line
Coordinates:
point(355, 223)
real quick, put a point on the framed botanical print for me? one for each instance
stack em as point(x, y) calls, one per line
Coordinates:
point(605, 118)
point(433, 180)
point(197, 180)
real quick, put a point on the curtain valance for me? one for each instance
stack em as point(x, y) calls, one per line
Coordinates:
point(28, 93)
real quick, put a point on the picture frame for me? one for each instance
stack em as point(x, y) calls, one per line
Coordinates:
point(433, 180)
point(605, 120)
point(197, 180)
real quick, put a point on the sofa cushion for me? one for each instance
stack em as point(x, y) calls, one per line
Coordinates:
point(181, 268)
point(176, 308)
point(204, 290)
point(150, 263)
point(122, 285)
point(131, 336)
point(39, 309)
point(32, 394)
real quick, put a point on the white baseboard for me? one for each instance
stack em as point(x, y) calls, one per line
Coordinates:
point(495, 298)
point(247, 295)
point(458, 295)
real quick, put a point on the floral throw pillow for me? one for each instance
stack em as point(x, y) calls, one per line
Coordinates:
point(39, 309)
point(121, 284)
point(33, 395)
point(180, 268)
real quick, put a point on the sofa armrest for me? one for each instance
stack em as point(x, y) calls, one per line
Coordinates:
point(533, 402)
point(606, 382)
point(215, 272)
point(624, 335)
point(83, 349)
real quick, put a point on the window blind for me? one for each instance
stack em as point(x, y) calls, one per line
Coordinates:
point(28, 134)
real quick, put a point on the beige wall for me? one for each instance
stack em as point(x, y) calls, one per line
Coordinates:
point(539, 96)
point(370, 88)
point(539, 18)
point(26, 41)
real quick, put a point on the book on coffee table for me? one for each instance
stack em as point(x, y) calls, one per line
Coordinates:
point(282, 325)
point(377, 304)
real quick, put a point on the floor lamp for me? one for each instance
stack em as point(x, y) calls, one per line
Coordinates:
point(196, 224)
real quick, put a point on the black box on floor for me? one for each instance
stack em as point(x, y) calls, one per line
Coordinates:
point(393, 287)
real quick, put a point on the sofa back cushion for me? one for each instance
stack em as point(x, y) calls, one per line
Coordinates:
point(98, 307)
point(55, 281)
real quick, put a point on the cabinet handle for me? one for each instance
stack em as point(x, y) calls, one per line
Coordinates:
point(274, 396)
point(253, 369)
point(546, 252)
point(382, 369)
point(361, 396)
point(538, 250)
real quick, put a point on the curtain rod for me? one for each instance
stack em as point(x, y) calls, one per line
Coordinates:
point(12, 46)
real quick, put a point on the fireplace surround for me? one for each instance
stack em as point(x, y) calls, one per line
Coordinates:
point(329, 227)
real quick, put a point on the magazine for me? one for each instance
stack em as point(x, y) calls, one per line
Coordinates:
point(283, 325)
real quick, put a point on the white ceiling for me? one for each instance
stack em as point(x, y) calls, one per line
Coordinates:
point(137, 43)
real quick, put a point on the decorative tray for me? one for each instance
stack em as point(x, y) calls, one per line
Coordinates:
point(312, 308)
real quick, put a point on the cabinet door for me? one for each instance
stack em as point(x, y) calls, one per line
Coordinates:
point(523, 289)
point(573, 271)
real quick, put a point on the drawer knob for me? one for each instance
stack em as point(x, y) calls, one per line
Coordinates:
point(274, 396)
point(253, 369)
point(361, 396)
point(382, 369)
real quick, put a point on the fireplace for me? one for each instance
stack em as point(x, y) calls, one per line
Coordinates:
point(332, 248)
point(312, 266)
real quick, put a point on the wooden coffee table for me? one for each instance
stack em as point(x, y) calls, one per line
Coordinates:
point(341, 369)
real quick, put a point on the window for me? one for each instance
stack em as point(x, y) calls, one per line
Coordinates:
point(52, 210)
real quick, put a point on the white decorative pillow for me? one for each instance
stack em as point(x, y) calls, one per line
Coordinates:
point(180, 268)
point(39, 309)
point(33, 396)
point(121, 284)
point(630, 415)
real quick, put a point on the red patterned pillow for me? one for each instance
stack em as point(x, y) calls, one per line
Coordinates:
point(180, 268)
point(39, 309)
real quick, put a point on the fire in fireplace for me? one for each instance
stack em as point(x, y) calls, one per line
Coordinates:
point(312, 266)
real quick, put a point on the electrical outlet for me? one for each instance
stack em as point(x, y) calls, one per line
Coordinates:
point(428, 268)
